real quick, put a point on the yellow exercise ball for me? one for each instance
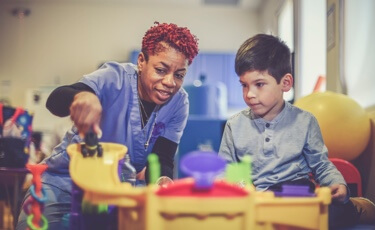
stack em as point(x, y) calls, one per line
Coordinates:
point(345, 125)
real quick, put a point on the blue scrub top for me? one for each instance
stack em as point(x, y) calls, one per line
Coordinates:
point(115, 84)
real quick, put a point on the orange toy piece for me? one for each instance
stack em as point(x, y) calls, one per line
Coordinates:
point(36, 170)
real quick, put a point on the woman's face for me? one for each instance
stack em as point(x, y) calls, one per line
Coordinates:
point(162, 75)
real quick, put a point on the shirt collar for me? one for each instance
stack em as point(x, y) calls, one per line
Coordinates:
point(261, 121)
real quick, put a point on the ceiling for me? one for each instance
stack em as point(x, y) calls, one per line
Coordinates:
point(246, 4)
point(249, 4)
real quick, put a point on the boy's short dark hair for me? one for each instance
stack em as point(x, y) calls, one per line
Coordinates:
point(264, 53)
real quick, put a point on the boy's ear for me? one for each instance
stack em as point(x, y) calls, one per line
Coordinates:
point(286, 82)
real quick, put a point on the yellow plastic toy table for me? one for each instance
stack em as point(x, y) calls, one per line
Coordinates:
point(180, 206)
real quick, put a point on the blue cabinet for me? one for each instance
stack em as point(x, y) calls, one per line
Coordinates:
point(201, 133)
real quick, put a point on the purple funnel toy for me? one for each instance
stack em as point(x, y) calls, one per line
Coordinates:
point(203, 167)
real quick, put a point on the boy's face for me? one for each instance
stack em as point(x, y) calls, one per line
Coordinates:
point(262, 93)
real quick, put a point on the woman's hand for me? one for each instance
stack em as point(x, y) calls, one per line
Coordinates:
point(86, 112)
point(339, 193)
point(164, 181)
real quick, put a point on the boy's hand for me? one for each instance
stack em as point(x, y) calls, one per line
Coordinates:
point(86, 112)
point(339, 193)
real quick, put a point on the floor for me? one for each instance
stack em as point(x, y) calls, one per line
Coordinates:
point(6, 218)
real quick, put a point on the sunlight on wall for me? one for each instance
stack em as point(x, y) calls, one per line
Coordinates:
point(359, 50)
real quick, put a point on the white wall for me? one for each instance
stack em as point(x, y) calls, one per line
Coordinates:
point(269, 16)
point(350, 60)
point(311, 45)
point(359, 51)
point(60, 41)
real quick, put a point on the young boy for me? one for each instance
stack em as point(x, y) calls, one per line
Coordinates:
point(285, 142)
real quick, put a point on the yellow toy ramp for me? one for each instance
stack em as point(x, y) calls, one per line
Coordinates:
point(98, 176)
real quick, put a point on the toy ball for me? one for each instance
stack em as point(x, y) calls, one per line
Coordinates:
point(345, 125)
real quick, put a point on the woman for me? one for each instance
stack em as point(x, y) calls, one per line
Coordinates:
point(141, 106)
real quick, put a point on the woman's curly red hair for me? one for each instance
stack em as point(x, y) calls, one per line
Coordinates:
point(179, 38)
